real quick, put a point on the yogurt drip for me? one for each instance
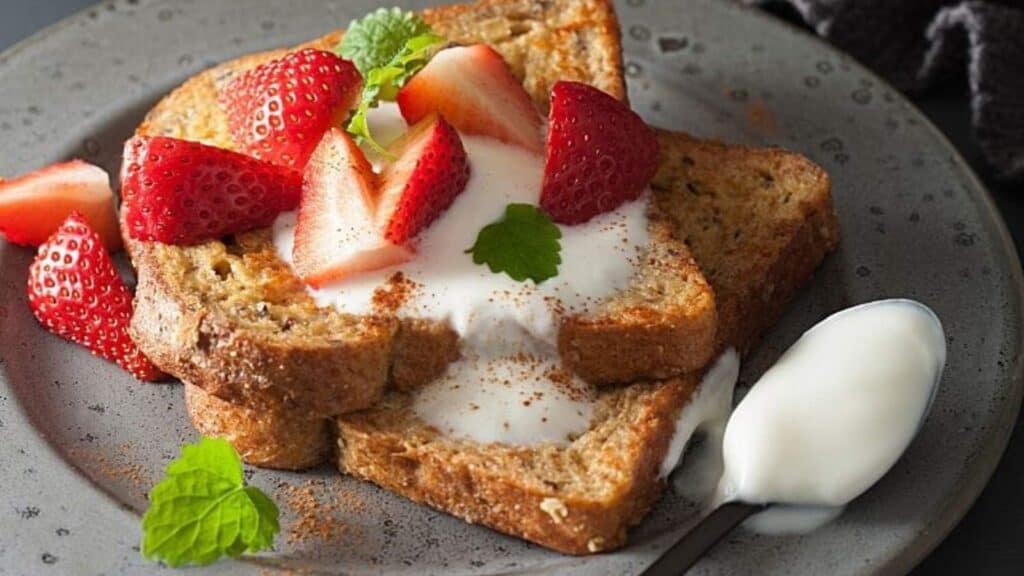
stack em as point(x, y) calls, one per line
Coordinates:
point(707, 412)
point(837, 410)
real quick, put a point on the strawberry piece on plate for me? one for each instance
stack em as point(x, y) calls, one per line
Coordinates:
point(179, 192)
point(33, 206)
point(279, 111)
point(473, 88)
point(600, 154)
point(336, 235)
point(76, 293)
point(430, 170)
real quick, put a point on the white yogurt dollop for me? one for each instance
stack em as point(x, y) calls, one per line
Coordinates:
point(507, 387)
point(837, 410)
point(599, 257)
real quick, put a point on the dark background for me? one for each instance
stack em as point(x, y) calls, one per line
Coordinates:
point(990, 539)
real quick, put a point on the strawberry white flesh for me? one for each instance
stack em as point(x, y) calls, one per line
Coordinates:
point(430, 170)
point(336, 234)
point(33, 206)
point(473, 89)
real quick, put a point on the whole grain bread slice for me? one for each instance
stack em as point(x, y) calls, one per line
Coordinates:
point(760, 222)
point(229, 317)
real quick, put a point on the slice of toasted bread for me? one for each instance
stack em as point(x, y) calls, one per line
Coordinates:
point(758, 221)
point(581, 498)
point(232, 319)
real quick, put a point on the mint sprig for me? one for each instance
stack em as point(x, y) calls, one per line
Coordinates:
point(374, 40)
point(388, 47)
point(384, 82)
point(202, 510)
point(523, 244)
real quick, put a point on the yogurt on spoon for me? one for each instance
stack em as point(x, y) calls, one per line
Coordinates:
point(824, 424)
point(837, 410)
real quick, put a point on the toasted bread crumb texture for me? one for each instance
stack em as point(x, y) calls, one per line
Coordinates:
point(758, 221)
point(564, 497)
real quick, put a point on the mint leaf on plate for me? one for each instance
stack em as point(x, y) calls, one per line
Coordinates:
point(202, 510)
point(375, 39)
point(523, 244)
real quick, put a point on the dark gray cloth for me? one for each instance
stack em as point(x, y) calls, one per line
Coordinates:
point(920, 44)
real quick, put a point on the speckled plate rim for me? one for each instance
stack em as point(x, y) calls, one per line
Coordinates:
point(973, 481)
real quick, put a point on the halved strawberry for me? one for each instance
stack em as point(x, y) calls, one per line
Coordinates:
point(473, 88)
point(279, 111)
point(75, 292)
point(34, 205)
point(179, 192)
point(430, 170)
point(336, 235)
point(600, 154)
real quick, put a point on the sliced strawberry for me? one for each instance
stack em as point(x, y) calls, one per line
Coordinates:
point(473, 88)
point(600, 154)
point(279, 111)
point(75, 292)
point(336, 235)
point(179, 192)
point(33, 206)
point(430, 170)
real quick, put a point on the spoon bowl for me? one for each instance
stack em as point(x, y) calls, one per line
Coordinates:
point(827, 421)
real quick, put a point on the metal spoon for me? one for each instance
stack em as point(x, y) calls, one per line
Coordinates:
point(693, 545)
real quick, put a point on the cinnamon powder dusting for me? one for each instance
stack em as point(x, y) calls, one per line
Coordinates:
point(320, 508)
point(390, 297)
point(116, 466)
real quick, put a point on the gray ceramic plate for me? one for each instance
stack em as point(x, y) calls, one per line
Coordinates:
point(82, 442)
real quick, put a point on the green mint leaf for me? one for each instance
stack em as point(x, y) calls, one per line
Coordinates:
point(377, 38)
point(202, 509)
point(384, 82)
point(523, 244)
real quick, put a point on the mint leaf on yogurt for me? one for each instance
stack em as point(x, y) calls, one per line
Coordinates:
point(523, 244)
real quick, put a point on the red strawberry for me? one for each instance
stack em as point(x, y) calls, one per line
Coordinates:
point(473, 88)
point(431, 169)
point(336, 235)
point(279, 111)
point(600, 154)
point(179, 192)
point(33, 206)
point(75, 292)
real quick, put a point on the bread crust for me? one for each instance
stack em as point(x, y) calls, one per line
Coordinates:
point(198, 344)
point(271, 437)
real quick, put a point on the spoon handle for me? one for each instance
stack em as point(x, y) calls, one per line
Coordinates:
point(694, 544)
